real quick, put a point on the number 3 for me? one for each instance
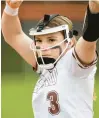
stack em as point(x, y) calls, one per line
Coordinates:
point(54, 109)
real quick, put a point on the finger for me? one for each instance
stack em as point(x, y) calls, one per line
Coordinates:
point(14, 3)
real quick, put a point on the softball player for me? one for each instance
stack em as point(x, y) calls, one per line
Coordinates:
point(66, 67)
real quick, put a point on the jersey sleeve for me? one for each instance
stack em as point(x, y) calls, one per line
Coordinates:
point(76, 68)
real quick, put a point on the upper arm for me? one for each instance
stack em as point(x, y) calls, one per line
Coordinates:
point(86, 45)
point(86, 51)
point(21, 43)
point(16, 38)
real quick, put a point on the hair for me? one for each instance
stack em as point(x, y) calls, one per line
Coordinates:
point(61, 20)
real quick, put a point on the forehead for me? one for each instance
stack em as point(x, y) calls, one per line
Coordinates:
point(54, 35)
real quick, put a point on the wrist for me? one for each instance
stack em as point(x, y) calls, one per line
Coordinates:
point(91, 26)
point(10, 11)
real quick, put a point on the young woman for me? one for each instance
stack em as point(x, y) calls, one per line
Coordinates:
point(66, 68)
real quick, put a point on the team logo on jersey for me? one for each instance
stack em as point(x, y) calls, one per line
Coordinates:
point(48, 79)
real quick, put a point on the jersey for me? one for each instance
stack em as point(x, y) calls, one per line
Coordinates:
point(66, 91)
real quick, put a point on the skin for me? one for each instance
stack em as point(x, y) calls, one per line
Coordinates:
point(19, 41)
point(49, 40)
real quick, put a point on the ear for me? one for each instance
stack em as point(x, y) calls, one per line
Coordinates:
point(73, 42)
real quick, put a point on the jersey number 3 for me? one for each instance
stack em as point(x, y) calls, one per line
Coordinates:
point(54, 108)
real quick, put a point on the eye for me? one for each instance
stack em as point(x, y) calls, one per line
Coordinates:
point(38, 40)
point(52, 40)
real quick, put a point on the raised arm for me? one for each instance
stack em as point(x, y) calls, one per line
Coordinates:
point(86, 45)
point(13, 34)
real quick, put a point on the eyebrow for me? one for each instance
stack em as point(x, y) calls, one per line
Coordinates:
point(52, 37)
point(48, 37)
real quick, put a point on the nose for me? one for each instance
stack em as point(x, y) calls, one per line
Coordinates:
point(44, 46)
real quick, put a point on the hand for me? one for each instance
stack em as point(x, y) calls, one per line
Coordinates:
point(96, 1)
point(94, 6)
point(14, 3)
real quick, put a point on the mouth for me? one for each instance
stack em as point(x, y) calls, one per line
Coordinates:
point(47, 60)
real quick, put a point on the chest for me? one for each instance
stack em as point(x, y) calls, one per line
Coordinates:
point(61, 81)
point(47, 80)
point(56, 81)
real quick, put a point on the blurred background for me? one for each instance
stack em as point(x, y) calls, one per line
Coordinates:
point(18, 78)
